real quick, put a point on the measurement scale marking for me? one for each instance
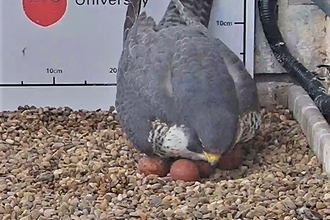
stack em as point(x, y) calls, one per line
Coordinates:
point(22, 84)
point(228, 24)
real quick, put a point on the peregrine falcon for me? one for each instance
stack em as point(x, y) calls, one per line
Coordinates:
point(177, 95)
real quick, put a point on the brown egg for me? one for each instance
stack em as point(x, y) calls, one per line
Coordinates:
point(205, 169)
point(185, 170)
point(153, 165)
point(231, 160)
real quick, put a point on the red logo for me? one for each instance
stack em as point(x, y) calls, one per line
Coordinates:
point(44, 12)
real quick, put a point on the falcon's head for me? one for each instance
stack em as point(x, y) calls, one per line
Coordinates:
point(216, 133)
point(181, 141)
point(207, 140)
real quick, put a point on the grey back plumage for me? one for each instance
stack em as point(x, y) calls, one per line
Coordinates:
point(179, 12)
point(201, 11)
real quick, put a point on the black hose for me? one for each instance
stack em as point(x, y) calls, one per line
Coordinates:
point(305, 78)
point(324, 5)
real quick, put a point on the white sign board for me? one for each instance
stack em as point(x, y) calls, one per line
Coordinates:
point(65, 52)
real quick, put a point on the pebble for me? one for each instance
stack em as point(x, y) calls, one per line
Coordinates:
point(326, 197)
point(10, 141)
point(49, 212)
point(57, 163)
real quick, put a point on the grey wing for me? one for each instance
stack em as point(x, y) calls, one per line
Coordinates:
point(149, 68)
point(245, 85)
point(143, 82)
point(200, 76)
point(134, 115)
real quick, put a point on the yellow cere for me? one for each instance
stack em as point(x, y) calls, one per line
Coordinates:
point(212, 158)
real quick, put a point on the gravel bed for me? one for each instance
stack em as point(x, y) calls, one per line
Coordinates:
point(65, 164)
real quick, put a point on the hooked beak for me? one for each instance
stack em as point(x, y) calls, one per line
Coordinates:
point(212, 158)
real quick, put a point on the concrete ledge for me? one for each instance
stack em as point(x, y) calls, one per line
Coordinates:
point(312, 122)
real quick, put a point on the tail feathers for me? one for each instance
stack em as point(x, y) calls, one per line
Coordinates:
point(179, 12)
point(187, 12)
point(133, 10)
point(204, 8)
